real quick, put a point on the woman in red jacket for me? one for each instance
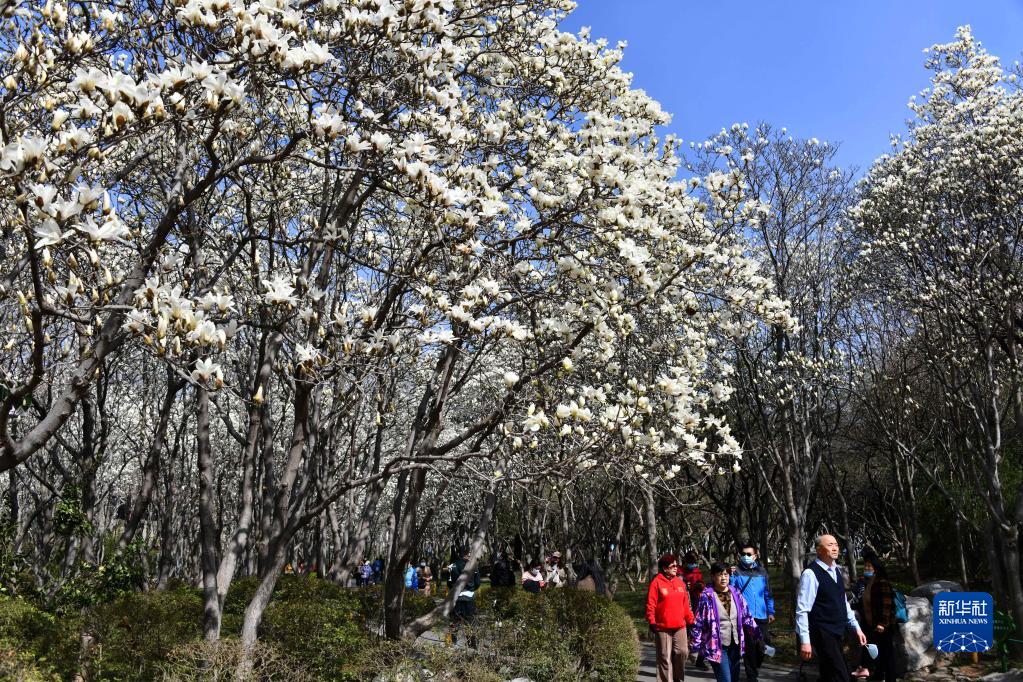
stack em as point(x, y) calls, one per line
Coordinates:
point(668, 611)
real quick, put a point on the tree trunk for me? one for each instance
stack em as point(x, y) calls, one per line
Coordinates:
point(89, 466)
point(423, 437)
point(151, 468)
point(843, 515)
point(257, 606)
point(425, 622)
point(963, 576)
point(402, 544)
point(12, 500)
point(240, 538)
point(1013, 577)
point(359, 541)
point(208, 532)
point(794, 558)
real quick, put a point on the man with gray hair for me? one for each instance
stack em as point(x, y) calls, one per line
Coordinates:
point(823, 613)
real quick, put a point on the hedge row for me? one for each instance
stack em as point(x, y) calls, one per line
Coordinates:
point(315, 630)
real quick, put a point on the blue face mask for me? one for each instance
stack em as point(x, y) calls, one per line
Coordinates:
point(868, 574)
point(691, 567)
point(746, 560)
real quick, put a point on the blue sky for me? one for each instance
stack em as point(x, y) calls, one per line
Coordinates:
point(841, 71)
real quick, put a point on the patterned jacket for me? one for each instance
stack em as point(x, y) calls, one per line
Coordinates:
point(707, 629)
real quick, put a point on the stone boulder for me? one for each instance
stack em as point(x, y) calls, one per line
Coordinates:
point(1010, 676)
point(914, 640)
point(928, 590)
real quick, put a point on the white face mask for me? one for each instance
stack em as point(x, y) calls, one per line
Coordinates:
point(872, 650)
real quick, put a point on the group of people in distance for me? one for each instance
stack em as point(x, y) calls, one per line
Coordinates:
point(539, 575)
point(727, 620)
point(369, 573)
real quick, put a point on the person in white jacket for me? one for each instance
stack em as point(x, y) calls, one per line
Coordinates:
point(556, 576)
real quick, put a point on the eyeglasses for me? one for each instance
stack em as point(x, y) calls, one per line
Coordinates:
point(749, 553)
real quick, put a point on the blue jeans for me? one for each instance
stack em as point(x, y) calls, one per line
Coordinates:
point(728, 669)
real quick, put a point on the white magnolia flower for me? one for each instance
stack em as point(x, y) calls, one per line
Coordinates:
point(535, 421)
point(111, 229)
point(49, 234)
point(205, 368)
point(279, 291)
point(443, 336)
point(306, 354)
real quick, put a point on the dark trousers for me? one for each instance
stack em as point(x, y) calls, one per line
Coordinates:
point(464, 614)
point(754, 657)
point(830, 658)
point(884, 664)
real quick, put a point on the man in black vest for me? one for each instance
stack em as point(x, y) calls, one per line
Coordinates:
point(823, 613)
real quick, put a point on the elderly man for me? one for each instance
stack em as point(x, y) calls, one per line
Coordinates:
point(822, 613)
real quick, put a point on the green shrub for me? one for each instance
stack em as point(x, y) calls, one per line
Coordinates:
point(610, 647)
point(202, 661)
point(326, 631)
point(414, 604)
point(134, 634)
point(322, 624)
point(42, 641)
point(238, 597)
point(93, 584)
point(560, 634)
point(21, 666)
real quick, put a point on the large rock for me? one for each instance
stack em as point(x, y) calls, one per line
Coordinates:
point(1011, 676)
point(914, 640)
point(928, 590)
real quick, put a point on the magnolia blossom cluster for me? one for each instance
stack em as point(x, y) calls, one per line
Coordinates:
point(941, 217)
point(458, 199)
point(941, 213)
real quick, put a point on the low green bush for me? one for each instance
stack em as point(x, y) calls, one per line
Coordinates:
point(201, 661)
point(325, 626)
point(33, 640)
point(560, 634)
point(315, 630)
point(94, 584)
point(414, 604)
point(318, 623)
point(22, 666)
point(134, 634)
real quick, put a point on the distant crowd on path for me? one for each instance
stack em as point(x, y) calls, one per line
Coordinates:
point(370, 573)
point(730, 622)
point(506, 572)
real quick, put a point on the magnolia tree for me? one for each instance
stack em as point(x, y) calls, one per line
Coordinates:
point(941, 223)
point(373, 246)
point(791, 383)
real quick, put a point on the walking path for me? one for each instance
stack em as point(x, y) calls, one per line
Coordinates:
point(768, 673)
